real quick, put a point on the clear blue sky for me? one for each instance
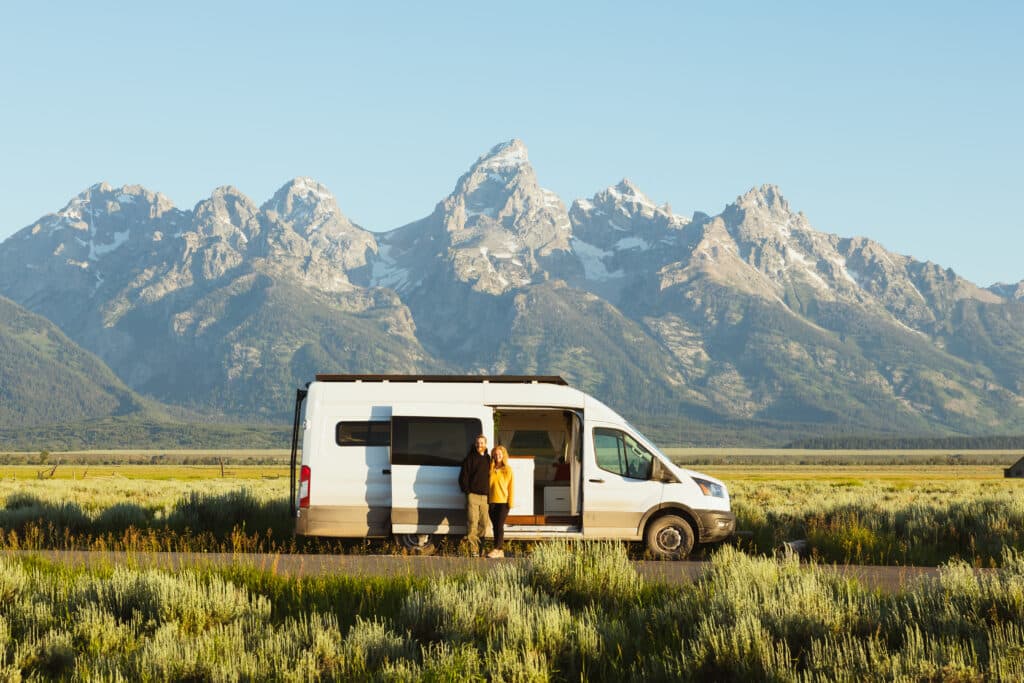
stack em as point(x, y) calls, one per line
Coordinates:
point(898, 121)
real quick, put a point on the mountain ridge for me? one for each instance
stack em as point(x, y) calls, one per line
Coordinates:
point(749, 314)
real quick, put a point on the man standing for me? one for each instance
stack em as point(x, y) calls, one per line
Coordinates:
point(474, 480)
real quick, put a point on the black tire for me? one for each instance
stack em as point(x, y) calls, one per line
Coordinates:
point(669, 537)
point(417, 544)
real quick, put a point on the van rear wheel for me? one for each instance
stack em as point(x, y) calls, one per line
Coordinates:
point(669, 537)
point(417, 544)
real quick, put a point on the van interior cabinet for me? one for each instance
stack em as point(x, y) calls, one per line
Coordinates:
point(556, 500)
point(522, 486)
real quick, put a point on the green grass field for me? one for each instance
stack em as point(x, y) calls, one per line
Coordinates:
point(854, 513)
point(570, 612)
point(783, 457)
point(155, 473)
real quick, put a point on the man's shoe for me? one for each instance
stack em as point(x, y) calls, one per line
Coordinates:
point(496, 554)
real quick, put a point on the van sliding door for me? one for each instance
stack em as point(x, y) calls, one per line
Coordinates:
point(428, 444)
point(574, 452)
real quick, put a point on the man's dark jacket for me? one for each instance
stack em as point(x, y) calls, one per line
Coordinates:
point(475, 475)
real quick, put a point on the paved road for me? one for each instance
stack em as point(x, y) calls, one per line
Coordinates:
point(885, 578)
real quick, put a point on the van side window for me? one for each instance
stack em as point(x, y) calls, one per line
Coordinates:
point(363, 434)
point(432, 440)
point(619, 453)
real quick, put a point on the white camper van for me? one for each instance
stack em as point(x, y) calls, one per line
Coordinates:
point(381, 456)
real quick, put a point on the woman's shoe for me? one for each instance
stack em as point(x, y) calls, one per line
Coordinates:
point(496, 554)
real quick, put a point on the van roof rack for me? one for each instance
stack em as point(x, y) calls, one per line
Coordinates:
point(493, 379)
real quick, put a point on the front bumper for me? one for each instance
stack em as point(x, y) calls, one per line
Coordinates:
point(715, 525)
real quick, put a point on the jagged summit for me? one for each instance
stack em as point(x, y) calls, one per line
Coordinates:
point(105, 198)
point(765, 196)
point(627, 189)
point(307, 188)
point(509, 154)
point(491, 230)
point(301, 199)
point(496, 173)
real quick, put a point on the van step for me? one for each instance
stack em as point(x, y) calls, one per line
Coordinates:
point(540, 529)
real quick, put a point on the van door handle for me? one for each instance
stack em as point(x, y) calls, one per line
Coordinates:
point(385, 471)
point(596, 481)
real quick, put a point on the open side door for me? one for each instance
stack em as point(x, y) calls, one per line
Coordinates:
point(574, 455)
point(428, 443)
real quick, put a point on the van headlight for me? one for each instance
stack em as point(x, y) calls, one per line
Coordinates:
point(710, 488)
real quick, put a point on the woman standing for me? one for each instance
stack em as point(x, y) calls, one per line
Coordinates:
point(499, 498)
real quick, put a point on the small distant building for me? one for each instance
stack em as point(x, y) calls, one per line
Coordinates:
point(1015, 470)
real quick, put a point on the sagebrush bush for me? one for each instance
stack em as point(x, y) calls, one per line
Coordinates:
point(122, 516)
point(580, 573)
point(499, 608)
point(860, 522)
point(191, 602)
point(924, 523)
point(575, 611)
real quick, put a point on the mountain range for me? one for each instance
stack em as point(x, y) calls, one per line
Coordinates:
point(750, 319)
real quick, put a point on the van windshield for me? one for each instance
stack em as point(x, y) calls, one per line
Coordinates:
point(645, 441)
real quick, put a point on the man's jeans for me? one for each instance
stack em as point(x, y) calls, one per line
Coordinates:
point(476, 521)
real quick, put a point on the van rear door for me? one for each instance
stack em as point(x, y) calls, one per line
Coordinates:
point(428, 444)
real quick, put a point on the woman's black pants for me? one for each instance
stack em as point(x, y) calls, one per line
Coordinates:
point(498, 512)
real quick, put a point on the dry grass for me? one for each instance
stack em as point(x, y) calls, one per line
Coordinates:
point(570, 612)
point(922, 474)
point(169, 473)
point(908, 514)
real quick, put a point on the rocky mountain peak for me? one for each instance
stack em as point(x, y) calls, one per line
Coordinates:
point(628, 190)
point(309, 239)
point(99, 221)
point(1012, 290)
point(303, 201)
point(227, 214)
point(765, 197)
point(493, 231)
point(628, 199)
point(495, 177)
point(498, 220)
point(623, 217)
point(505, 155)
point(763, 214)
point(133, 201)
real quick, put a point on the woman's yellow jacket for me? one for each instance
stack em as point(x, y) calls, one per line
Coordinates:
point(501, 485)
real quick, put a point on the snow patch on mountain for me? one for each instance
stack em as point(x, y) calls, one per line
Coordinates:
point(386, 272)
point(98, 250)
point(592, 259)
point(505, 155)
point(627, 243)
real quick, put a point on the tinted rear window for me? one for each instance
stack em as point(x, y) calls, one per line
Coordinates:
point(363, 434)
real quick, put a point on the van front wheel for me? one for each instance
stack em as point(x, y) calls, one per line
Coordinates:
point(669, 538)
point(417, 544)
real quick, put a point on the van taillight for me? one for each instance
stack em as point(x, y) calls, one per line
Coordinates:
point(304, 487)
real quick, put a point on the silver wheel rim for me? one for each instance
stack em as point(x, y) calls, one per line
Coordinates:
point(415, 540)
point(670, 539)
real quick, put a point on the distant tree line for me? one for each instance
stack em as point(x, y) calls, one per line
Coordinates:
point(127, 433)
point(966, 443)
